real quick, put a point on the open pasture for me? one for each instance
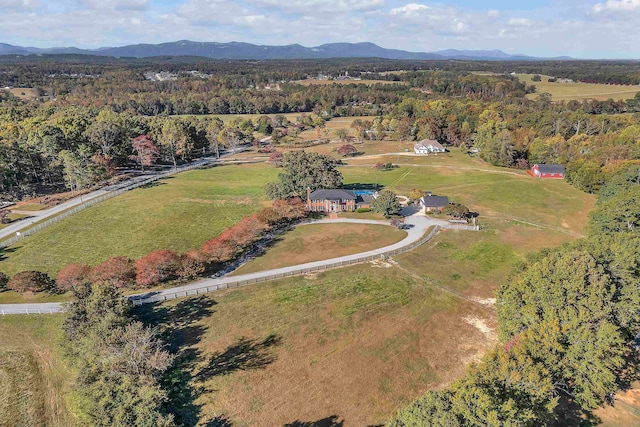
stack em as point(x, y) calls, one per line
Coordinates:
point(579, 91)
point(315, 242)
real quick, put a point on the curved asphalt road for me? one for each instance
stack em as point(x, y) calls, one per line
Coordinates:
point(419, 225)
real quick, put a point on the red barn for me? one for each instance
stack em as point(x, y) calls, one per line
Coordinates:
point(548, 171)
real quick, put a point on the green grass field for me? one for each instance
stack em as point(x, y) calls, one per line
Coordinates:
point(179, 213)
point(36, 384)
point(579, 91)
point(316, 242)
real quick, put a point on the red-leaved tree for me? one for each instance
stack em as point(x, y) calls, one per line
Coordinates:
point(291, 209)
point(157, 267)
point(276, 158)
point(119, 271)
point(72, 276)
point(146, 151)
point(30, 281)
point(347, 150)
point(219, 249)
point(192, 264)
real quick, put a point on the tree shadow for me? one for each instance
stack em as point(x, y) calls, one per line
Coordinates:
point(332, 421)
point(177, 328)
point(569, 414)
point(245, 354)
point(5, 251)
point(185, 380)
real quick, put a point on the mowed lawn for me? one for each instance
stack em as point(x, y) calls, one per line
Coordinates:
point(36, 383)
point(315, 242)
point(352, 345)
point(579, 91)
point(179, 213)
point(491, 192)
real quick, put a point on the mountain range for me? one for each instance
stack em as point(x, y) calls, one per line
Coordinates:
point(238, 50)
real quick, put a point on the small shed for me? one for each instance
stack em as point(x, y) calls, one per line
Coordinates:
point(548, 171)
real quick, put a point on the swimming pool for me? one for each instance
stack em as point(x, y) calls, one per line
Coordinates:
point(364, 192)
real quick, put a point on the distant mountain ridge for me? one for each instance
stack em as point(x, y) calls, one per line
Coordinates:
point(239, 50)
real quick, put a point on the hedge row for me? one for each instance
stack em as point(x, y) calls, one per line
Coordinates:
point(163, 265)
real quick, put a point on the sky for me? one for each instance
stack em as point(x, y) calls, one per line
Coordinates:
point(578, 28)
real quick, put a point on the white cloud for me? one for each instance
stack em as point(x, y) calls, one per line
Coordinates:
point(411, 10)
point(617, 6)
point(18, 4)
point(116, 4)
point(315, 6)
point(519, 22)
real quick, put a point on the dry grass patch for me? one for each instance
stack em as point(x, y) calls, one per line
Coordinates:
point(579, 91)
point(35, 382)
point(316, 242)
point(356, 343)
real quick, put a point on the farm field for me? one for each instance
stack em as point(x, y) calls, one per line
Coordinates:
point(315, 242)
point(179, 213)
point(579, 91)
point(348, 345)
point(36, 382)
point(183, 212)
point(25, 93)
point(362, 340)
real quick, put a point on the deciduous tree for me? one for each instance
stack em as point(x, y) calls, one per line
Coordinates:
point(119, 271)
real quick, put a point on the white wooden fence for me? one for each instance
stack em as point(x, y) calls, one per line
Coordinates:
point(44, 224)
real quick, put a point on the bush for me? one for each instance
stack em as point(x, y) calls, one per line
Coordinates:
point(4, 279)
point(72, 276)
point(30, 281)
point(192, 264)
point(157, 267)
point(363, 210)
point(118, 271)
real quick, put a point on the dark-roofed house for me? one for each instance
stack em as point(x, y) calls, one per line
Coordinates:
point(548, 171)
point(428, 146)
point(431, 203)
point(336, 200)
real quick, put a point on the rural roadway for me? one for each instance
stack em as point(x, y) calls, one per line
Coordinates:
point(418, 225)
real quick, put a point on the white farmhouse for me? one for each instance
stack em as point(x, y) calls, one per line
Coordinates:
point(428, 146)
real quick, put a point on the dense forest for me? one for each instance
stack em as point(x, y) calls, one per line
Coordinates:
point(81, 127)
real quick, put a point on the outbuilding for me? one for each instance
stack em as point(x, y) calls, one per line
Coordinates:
point(428, 146)
point(431, 203)
point(548, 171)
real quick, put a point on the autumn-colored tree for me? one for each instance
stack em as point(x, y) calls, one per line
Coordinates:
point(347, 150)
point(276, 158)
point(146, 151)
point(219, 249)
point(292, 208)
point(119, 271)
point(270, 216)
point(72, 276)
point(416, 194)
point(157, 267)
point(247, 230)
point(192, 264)
point(30, 281)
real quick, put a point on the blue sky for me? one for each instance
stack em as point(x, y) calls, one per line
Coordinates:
point(580, 28)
